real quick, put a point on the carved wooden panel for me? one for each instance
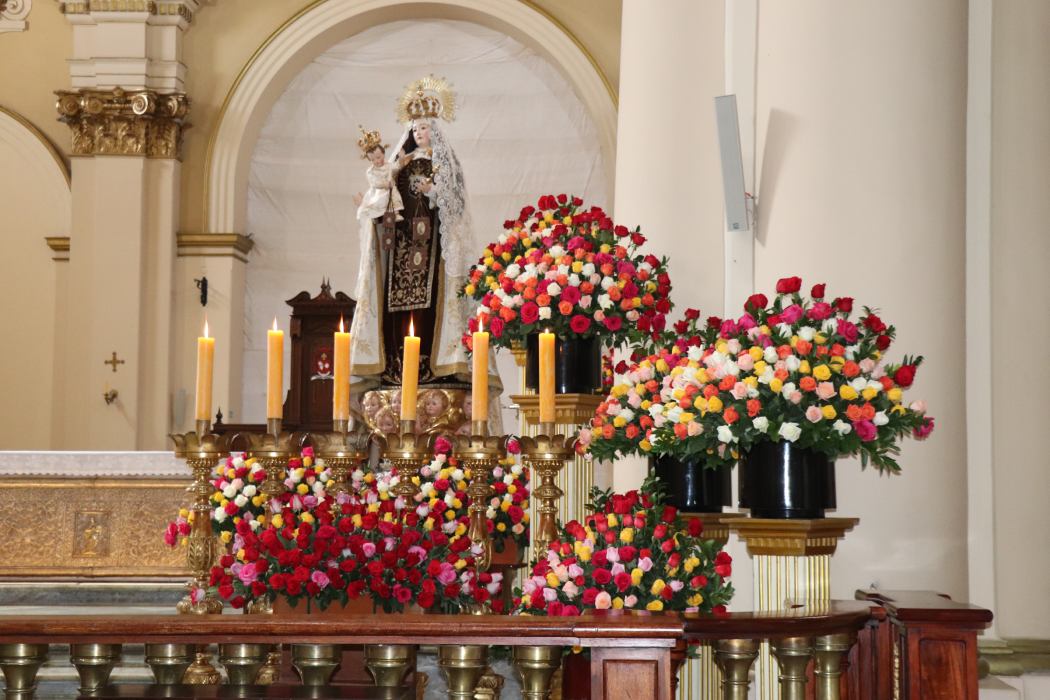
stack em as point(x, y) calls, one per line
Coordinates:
point(635, 673)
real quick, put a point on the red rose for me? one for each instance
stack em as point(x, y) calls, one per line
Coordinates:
point(225, 590)
point(603, 576)
point(818, 291)
point(570, 294)
point(874, 324)
point(599, 558)
point(294, 587)
point(589, 594)
point(723, 564)
point(627, 554)
point(714, 322)
point(623, 581)
point(843, 304)
point(579, 323)
point(789, 285)
point(637, 238)
point(613, 323)
point(905, 375)
point(621, 231)
point(756, 302)
point(530, 312)
point(496, 327)
point(516, 514)
point(562, 199)
point(669, 514)
point(667, 546)
point(696, 526)
point(883, 342)
point(667, 593)
point(692, 314)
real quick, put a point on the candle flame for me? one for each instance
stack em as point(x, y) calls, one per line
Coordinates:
point(275, 323)
point(411, 326)
point(205, 326)
point(481, 323)
point(341, 325)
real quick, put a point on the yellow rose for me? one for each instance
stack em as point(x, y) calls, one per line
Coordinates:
point(847, 392)
point(869, 393)
point(619, 422)
point(645, 445)
point(829, 412)
point(460, 563)
point(501, 527)
point(700, 404)
point(627, 535)
point(658, 585)
point(820, 339)
point(822, 373)
point(611, 520)
point(552, 580)
point(306, 517)
point(775, 385)
point(756, 353)
point(617, 603)
point(722, 347)
point(690, 564)
point(895, 394)
point(226, 536)
point(760, 366)
point(355, 519)
point(695, 600)
point(685, 417)
point(803, 367)
point(714, 404)
point(636, 576)
point(655, 606)
point(469, 290)
point(303, 489)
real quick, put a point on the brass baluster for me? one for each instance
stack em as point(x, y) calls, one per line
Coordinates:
point(20, 663)
point(94, 664)
point(316, 663)
point(407, 453)
point(793, 654)
point(390, 664)
point(242, 662)
point(463, 666)
point(546, 454)
point(201, 671)
point(168, 662)
point(829, 652)
point(734, 657)
point(479, 453)
point(536, 666)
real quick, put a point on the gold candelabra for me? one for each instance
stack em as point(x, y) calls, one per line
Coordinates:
point(201, 450)
point(273, 449)
point(342, 450)
point(546, 454)
point(407, 452)
point(480, 453)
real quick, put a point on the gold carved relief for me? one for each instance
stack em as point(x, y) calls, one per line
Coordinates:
point(121, 123)
point(89, 527)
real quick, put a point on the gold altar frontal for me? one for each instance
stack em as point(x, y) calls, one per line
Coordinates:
point(63, 527)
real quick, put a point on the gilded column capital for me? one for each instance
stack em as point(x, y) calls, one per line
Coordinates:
point(116, 122)
point(180, 9)
point(13, 15)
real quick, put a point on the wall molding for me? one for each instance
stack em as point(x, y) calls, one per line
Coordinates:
point(214, 245)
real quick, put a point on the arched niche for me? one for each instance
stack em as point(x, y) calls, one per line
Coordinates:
point(324, 24)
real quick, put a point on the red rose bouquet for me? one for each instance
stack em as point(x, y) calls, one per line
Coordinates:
point(571, 270)
point(629, 554)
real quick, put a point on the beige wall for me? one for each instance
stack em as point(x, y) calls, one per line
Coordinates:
point(861, 137)
point(1020, 309)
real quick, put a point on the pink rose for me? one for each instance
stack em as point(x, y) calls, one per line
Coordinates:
point(745, 362)
point(613, 323)
point(247, 574)
point(918, 406)
point(570, 294)
point(603, 601)
point(791, 314)
point(847, 330)
point(820, 311)
point(825, 390)
point(694, 428)
point(924, 430)
point(739, 389)
point(368, 549)
point(814, 414)
point(320, 578)
point(442, 445)
point(795, 397)
point(866, 430)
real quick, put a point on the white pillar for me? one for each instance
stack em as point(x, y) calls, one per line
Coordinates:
point(668, 178)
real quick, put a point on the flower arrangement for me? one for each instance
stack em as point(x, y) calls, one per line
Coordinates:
point(799, 369)
point(628, 554)
point(571, 270)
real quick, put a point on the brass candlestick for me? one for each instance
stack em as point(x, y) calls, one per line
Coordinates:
point(273, 450)
point(546, 453)
point(479, 453)
point(408, 453)
point(342, 450)
point(201, 450)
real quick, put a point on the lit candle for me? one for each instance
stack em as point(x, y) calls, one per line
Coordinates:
point(205, 367)
point(479, 395)
point(409, 374)
point(274, 372)
point(546, 377)
point(341, 390)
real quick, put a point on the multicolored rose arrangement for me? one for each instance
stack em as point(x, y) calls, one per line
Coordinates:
point(628, 554)
point(798, 370)
point(571, 270)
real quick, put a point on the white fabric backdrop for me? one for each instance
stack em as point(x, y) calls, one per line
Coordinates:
point(519, 132)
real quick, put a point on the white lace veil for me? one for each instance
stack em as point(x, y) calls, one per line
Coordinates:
point(457, 228)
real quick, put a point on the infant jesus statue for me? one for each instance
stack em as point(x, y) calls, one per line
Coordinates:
point(382, 196)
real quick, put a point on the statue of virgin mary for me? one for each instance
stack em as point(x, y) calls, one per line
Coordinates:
point(411, 272)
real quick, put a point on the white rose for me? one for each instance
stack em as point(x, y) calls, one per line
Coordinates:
point(607, 282)
point(829, 326)
point(490, 513)
point(604, 302)
point(784, 329)
point(240, 501)
point(859, 384)
point(790, 431)
point(553, 289)
point(230, 491)
point(513, 270)
point(807, 333)
point(220, 515)
point(770, 354)
point(574, 280)
point(761, 424)
point(249, 490)
point(545, 313)
point(627, 414)
point(725, 434)
point(841, 427)
point(238, 462)
point(788, 389)
point(457, 475)
point(694, 353)
point(563, 269)
point(588, 269)
point(881, 418)
point(792, 363)
point(557, 251)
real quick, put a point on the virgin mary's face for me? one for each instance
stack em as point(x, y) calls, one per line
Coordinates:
point(421, 133)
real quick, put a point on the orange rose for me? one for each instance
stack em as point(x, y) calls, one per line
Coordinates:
point(615, 293)
point(495, 303)
point(608, 431)
point(754, 406)
point(543, 299)
point(529, 293)
point(808, 383)
point(632, 431)
point(507, 314)
point(730, 415)
point(710, 390)
point(867, 412)
point(783, 351)
point(803, 347)
point(781, 374)
point(853, 412)
point(851, 369)
point(586, 287)
point(607, 269)
point(727, 382)
point(681, 431)
point(565, 308)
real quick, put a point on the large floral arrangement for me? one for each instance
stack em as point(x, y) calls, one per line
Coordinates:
point(798, 369)
point(628, 554)
point(571, 270)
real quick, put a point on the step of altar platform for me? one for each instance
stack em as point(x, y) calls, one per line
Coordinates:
point(192, 692)
point(54, 597)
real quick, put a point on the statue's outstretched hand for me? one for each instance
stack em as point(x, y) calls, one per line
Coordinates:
point(426, 186)
point(358, 198)
point(403, 160)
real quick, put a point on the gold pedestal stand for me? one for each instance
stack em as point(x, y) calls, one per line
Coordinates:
point(480, 453)
point(407, 452)
point(792, 564)
point(546, 454)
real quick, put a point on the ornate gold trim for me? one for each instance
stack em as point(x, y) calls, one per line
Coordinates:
point(60, 246)
point(119, 123)
point(569, 409)
point(791, 537)
point(213, 245)
point(613, 95)
point(51, 148)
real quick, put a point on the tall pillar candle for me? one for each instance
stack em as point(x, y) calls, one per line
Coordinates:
point(479, 394)
point(205, 370)
point(409, 375)
point(546, 377)
point(341, 376)
point(274, 372)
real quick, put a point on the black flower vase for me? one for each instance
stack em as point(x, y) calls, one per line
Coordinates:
point(780, 480)
point(577, 364)
point(692, 486)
